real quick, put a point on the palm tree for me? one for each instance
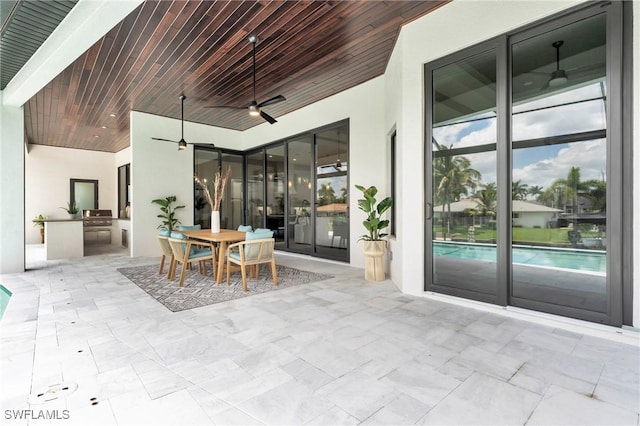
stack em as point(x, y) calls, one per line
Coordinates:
point(452, 176)
point(573, 186)
point(536, 192)
point(487, 199)
point(326, 195)
point(519, 190)
point(596, 191)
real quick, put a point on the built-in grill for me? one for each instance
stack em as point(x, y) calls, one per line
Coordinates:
point(97, 222)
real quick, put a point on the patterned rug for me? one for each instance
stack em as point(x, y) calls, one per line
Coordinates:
point(200, 290)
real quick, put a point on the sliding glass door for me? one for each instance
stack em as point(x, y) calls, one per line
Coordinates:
point(255, 189)
point(332, 193)
point(208, 162)
point(299, 194)
point(463, 194)
point(299, 189)
point(559, 168)
point(523, 148)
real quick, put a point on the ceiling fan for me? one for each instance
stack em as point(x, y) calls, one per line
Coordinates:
point(559, 76)
point(182, 144)
point(255, 108)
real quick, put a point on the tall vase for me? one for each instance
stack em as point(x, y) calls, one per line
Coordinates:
point(215, 221)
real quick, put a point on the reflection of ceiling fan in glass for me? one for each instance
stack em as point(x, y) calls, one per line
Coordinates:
point(560, 76)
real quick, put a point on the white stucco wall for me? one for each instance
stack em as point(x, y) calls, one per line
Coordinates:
point(47, 173)
point(11, 188)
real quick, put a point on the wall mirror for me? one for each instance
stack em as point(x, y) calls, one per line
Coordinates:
point(84, 193)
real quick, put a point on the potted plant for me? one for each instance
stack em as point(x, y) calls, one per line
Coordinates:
point(169, 219)
point(72, 209)
point(39, 221)
point(374, 245)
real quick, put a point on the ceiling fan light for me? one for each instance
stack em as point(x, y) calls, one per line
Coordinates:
point(557, 81)
point(558, 78)
point(254, 111)
point(182, 145)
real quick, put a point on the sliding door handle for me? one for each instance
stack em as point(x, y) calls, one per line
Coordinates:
point(429, 210)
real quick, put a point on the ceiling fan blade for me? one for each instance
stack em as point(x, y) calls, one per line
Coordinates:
point(267, 117)
point(227, 106)
point(166, 140)
point(546, 85)
point(272, 101)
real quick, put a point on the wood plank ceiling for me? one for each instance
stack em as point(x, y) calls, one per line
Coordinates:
point(307, 51)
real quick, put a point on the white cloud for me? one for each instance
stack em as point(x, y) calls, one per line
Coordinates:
point(590, 156)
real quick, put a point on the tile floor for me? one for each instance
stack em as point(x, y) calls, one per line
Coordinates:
point(338, 352)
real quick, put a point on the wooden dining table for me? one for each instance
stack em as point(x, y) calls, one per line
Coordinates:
point(223, 237)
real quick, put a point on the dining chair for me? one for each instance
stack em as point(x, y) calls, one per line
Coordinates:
point(185, 253)
point(163, 239)
point(251, 253)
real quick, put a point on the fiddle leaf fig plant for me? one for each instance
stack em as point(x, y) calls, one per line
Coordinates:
point(168, 216)
point(374, 223)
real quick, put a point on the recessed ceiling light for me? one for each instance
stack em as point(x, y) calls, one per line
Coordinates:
point(104, 127)
point(96, 136)
point(112, 115)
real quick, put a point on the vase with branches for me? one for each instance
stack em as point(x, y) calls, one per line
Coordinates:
point(220, 180)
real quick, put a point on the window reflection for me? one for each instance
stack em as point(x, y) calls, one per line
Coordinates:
point(559, 168)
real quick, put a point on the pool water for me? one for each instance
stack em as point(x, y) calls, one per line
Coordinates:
point(5, 295)
point(583, 260)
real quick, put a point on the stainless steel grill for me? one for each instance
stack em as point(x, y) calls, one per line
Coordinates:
point(97, 218)
point(98, 222)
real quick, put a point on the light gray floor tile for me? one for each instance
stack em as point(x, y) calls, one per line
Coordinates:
point(560, 406)
point(498, 365)
point(334, 416)
point(289, 403)
point(483, 400)
point(422, 383)
point(358, 394)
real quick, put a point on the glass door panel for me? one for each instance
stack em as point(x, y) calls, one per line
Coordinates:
point(559, 167)
point(299, 184)
point(332, 194)
point(463, 197)
point(255, 190)
point(276, 187)
point(231, 207)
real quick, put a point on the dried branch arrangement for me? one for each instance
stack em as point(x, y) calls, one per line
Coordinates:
point(219, 183)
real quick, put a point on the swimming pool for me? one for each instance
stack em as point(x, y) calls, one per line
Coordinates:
point(5, 295)
point(583, 260)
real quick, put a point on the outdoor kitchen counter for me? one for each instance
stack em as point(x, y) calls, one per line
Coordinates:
point(63, 238)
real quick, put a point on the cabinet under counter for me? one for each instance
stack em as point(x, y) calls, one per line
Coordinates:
point(63, 238)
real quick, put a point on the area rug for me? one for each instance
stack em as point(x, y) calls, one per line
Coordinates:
point(200, 290)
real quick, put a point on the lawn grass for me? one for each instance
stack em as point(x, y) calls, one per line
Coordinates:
point(537, 236)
